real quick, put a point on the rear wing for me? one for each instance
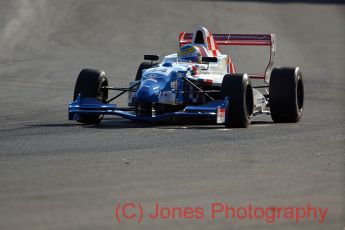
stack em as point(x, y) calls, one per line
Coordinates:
point(241, 40)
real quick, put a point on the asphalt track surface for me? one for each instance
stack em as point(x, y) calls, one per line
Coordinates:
point(57, 174)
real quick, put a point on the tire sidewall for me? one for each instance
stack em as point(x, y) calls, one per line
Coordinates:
point(283, 93)
point(237, 114)
point(89, 83)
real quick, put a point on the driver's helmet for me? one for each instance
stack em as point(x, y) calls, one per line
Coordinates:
point(189, 53)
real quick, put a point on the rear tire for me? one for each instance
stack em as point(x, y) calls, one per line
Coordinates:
point(89, 84)
point(239, 90)
point(286, 93)
point(142, 66)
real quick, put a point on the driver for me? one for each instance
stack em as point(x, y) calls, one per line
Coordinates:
point(189, 53)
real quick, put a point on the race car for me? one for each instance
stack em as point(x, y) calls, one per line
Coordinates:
point(196, 82)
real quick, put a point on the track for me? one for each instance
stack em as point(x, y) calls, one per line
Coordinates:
point(56, 174)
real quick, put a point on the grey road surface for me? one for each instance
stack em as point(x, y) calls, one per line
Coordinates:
point(58, 174)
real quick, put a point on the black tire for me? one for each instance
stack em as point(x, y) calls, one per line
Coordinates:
point(239, 90)
point(142, 66)
point(286, 94)
point(89, 84)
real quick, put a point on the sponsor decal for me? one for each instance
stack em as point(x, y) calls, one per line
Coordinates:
point(174, 84)
point(220, 115)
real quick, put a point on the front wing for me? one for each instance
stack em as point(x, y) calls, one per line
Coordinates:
point(91, 106)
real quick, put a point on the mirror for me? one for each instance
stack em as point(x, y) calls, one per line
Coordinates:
point(209, 59)
point(151, 57)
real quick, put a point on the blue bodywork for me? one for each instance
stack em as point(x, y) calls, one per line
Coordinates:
point(163, 84)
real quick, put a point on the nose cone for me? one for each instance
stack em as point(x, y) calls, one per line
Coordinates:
point(149, 91)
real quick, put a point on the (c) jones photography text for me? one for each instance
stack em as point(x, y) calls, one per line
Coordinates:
point(135, 211)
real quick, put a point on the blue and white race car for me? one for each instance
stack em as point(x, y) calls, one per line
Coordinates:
point(197, 81)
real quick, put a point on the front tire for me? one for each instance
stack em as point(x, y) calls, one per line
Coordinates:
point(91, 83)
point(239, 90)
point(286, 94)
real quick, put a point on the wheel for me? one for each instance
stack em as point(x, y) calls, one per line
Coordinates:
point(142, 66)
point(286, 94)
point(90, 83)
point(239, 90)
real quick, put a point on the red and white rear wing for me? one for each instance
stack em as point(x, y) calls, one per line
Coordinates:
point(240, 40)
